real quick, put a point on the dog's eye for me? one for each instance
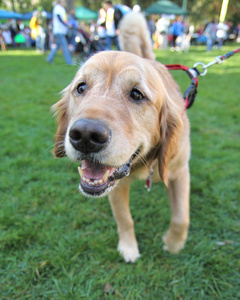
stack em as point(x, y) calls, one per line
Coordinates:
point(81, 87)
point(136, 95)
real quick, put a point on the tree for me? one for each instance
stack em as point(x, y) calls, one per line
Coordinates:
point(205, 10)
point(200, 11)
point(128, 3)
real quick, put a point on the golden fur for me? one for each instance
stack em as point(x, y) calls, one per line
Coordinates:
point(156, 125)
point(134, 35)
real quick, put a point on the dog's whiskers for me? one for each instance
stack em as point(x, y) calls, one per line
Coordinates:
point(143, 160)
point(60, 143)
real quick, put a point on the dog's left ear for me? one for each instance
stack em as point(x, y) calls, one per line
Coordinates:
point(170, 121)
point(170, 130)
point(60, 109)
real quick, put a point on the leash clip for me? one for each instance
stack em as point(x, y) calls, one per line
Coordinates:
point(204, 67)
point(217, 60)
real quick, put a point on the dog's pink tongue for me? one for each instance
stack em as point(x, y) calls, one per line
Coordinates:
point(93, 170)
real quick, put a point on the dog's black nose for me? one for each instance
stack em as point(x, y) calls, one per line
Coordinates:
point(88, 135)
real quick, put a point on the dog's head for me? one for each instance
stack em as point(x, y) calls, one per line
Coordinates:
point(118, 109)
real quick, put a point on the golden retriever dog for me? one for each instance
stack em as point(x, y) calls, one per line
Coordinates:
point(134, 35)
point(121, 118)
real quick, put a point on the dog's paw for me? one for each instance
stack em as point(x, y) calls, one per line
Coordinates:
point(172, 243)
point(129, 253)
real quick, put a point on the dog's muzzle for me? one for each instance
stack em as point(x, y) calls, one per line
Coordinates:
point(90, 136)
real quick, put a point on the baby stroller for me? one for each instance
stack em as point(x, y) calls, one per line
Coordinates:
point(87, 45)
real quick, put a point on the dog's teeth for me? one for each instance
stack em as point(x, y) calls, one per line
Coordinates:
point(80, 171)
point(105, 176)
point(95, 182)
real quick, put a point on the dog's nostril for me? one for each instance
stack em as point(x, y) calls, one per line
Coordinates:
point(75, 134)
point(100, 136)
point(87, 135)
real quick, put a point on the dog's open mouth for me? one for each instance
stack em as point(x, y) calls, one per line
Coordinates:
point(96, 178)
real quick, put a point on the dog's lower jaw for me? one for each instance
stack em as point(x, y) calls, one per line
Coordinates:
point(100, 195)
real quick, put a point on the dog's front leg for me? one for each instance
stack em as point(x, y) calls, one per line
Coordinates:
point(127, 245)
point(178, 191)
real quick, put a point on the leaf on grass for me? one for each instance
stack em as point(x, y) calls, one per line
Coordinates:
point(108, 289)
point(37, 272)
point(229, 242)
point(179, 297)
point(28, 241)
point(43, 263)
point(224, 243)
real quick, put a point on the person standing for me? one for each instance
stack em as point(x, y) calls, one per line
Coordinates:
point(152, 26)
point(177, 29)
point(111, 25)
point(60, 29)
point(73, 30)
point(210, 32)
point(42, 30)
point(162, 30)
point(101, 27)
point(237, 33)
point(222, 33)
point(34, 27)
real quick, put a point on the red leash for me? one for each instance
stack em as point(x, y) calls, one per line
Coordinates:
point(193, 73)
point(191, 91)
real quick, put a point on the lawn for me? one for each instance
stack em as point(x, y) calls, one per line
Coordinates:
point(56, 244)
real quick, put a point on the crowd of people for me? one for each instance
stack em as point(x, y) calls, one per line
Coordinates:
point(66, 32)
point(14, 33)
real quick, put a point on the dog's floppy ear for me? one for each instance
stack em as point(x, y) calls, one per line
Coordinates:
point(170, 129)
point(60, 109)
point(170, 121)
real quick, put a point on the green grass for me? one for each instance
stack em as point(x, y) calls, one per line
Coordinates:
point(56, 244)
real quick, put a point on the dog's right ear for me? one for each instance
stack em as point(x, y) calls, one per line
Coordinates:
point(60, 110)
point(170, 120)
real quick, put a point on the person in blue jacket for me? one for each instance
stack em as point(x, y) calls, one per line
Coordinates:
point(177, 29)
